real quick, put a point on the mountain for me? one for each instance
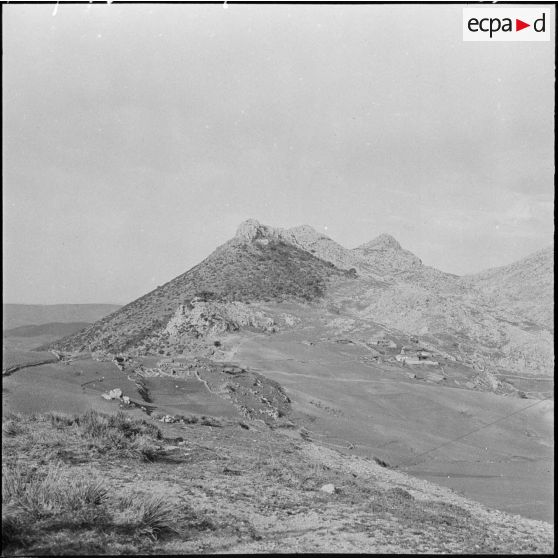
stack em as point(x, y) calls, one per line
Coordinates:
point(386, 256)
point(525, 287)
point(376, 355)
point(15, 315)
point(256, 265)
point(470, 319)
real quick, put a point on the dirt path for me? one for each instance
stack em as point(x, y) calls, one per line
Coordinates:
point(204, 382)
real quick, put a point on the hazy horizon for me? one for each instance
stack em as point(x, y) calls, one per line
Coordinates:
point(138, 137)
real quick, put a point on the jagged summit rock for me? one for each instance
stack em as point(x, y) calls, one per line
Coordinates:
point(381, 242)
point(251, 230)
point(302, 236)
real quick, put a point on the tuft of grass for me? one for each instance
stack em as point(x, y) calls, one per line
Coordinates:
point(78, 438)
point(60, 420)
point(152, 515)
point(98, 425)
point(61, 510)
point(157, 515)
point(41, 493)
point(12, 428)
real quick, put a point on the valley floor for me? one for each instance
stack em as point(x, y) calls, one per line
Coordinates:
point(494, 449)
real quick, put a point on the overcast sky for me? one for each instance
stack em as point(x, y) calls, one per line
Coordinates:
point(137, 138)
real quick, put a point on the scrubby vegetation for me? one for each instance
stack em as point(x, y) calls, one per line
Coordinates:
point(54, 511)
point(84, 485)
point(52, 504)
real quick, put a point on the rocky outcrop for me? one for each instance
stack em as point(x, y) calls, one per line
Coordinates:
point(251, 230)
point(304, 237)
point(212, 319)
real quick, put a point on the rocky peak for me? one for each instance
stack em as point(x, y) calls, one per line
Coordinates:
point(381, 242)
point(386, 256)
point(251, 229)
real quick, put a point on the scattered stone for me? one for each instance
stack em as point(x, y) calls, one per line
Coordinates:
point(329, 488)
point(113, 394)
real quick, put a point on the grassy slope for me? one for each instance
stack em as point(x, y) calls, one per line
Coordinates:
point(114, 485)
point(235, 271)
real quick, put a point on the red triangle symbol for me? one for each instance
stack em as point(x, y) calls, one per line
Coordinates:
point(519, 25)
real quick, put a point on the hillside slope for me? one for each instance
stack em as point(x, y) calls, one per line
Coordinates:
point(247, 268)
point(472, 319)
point(525, 287)
point(198, 489)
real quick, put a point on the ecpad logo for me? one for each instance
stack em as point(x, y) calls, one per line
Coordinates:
point(506, 24)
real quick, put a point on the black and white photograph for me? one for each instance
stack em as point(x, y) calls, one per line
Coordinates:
point(278, 277)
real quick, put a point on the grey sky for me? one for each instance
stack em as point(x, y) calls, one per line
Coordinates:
point(136, 138)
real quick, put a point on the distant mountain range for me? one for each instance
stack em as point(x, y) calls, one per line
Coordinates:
point(54, 329)
point(16, 315)
point(498, 318)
